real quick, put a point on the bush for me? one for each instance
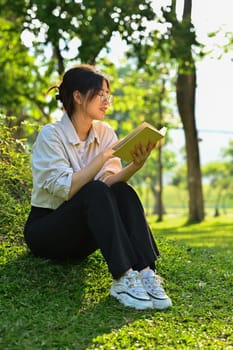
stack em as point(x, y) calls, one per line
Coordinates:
point(15, 183)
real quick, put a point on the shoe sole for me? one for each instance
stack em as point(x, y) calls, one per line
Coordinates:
point(126, 300)
point(161, 304)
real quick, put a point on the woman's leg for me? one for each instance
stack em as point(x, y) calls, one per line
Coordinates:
point(90, 220)
point(59, 234)
point(133, 217)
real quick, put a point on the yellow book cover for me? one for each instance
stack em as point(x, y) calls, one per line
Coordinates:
point(142, 134)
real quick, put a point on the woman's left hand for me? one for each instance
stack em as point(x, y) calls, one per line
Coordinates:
point(141, 153)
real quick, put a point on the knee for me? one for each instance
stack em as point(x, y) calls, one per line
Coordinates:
point(97, 185)
point(95, 188)
point(124, 190)
point(122, 187)
point(94, 192)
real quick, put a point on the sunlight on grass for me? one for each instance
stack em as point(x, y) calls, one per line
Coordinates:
point(212, 232)
point(45, 305)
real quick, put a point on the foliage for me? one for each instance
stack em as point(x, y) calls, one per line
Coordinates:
point(219, 175)
point(179, 176)
point(61, 32)
point(227, 153)
point(175, 43)
point(182, 36)
point(15, 183)
point(138, 95)
point(141, 96)
point(22, 84)
point(148, 177)
point(46, 305)
point(86, 26)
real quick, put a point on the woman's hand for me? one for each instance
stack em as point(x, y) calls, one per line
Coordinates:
point(108, 152)
point(141, 153)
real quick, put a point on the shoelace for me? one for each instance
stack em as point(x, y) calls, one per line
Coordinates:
point(154, 284)
point(135, 283)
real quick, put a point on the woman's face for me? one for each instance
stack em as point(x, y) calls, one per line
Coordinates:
point(97, 107)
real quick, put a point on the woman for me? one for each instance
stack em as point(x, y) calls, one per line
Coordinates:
point(81, 201)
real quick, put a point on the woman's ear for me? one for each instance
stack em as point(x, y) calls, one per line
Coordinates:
point(77, 97)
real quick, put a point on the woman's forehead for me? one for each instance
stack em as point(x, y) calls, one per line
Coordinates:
point(105, 85)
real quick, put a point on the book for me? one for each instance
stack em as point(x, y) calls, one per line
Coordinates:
point(142, 134)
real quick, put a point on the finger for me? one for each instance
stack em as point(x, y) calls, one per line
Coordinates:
point(151, 145)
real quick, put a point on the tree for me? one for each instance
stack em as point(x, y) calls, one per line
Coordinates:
point(219, 182)
point(182, 39)
point(219, 175)
point(22, 87)
point(58, 27)
point(186, 88)
point(175, 44)
point(149, 177)
point(15, 183)
point(85, 26)
point(144, 95)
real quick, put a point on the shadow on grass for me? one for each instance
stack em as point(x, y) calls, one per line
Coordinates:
point(217, 234)
point(47, 305)
point(192, 227)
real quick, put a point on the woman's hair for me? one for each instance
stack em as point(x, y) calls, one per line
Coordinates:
point(84, 78)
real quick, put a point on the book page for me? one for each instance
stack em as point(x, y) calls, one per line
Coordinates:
point(144, 125)
point(142, 135)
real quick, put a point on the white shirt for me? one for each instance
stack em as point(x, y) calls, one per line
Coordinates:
point(58, 153)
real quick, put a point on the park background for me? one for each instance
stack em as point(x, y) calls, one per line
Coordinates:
point(142, 59)
point(45, 305)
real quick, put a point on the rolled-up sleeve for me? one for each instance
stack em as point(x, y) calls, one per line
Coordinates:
point(51, 169)
point(57, 155)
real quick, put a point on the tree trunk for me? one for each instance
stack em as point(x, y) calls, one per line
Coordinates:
point(160, 162)
point(60, 60)
point(186, 89)
point(160, 191)
point(186, 86)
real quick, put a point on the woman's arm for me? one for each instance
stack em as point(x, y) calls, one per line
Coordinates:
point(140, 155)
point(87, 174)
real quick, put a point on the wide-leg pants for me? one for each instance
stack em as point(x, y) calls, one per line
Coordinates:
point(98, 217)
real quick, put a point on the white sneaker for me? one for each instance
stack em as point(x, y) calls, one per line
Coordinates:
point(154, 289)
point(129, 291)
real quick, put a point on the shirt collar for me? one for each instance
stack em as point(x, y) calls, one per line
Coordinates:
point(71, 134)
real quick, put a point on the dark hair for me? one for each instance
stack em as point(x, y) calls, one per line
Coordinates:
point(84, 78)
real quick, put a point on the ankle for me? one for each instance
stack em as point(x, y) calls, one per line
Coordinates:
point(144, 271)
point(127, 272)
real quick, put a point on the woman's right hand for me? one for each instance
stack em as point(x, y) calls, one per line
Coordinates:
point(108, 152)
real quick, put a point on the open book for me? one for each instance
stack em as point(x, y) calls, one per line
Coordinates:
point(142, 134)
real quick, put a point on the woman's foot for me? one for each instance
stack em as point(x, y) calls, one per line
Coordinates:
point(154, 289)
point(130, 291)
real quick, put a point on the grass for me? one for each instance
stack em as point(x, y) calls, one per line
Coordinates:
point(51, 306)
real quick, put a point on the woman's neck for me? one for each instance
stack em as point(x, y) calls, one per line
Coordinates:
point(82, 126)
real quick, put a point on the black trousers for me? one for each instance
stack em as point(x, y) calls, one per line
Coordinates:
point(98, 217)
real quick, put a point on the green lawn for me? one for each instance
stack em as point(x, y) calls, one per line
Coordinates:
point(46, 306)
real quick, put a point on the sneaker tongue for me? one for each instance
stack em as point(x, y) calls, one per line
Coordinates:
point(149, 273)
point(132, 274)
